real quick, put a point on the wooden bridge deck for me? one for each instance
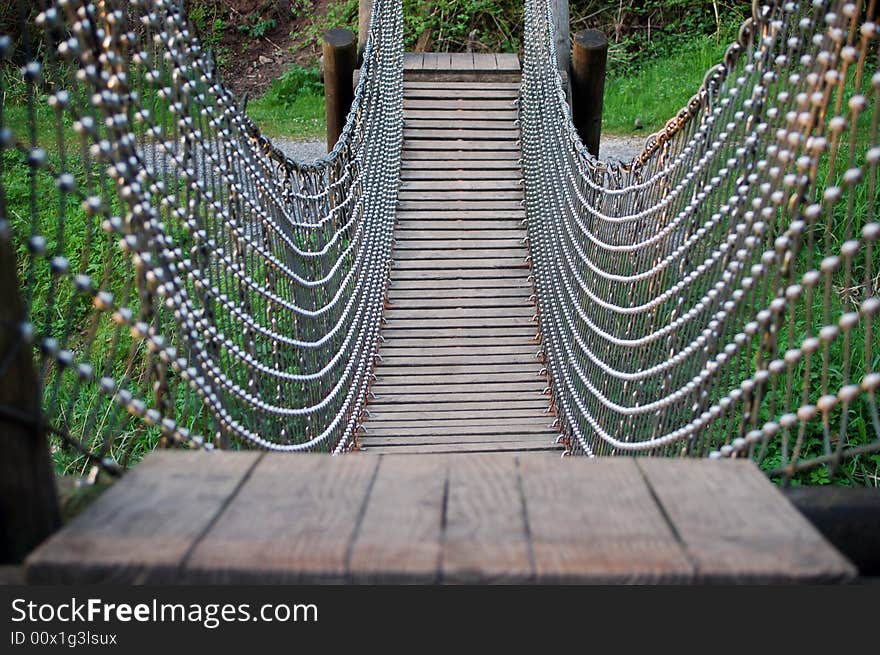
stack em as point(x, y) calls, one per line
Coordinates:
point(459, 372)
point(250, 517)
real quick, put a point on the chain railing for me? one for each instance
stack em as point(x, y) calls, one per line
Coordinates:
point(717, 296)
point(185, 282)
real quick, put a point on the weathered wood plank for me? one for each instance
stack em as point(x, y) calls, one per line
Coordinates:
point(472, 134)
point(485, 515)
point(300, 535)
point(438, 407)
point(402, 388)
point(413, 61)
point(485, 254)
point(507, 116)
point(507, 61)
point(508, 447)
point(485, 196)
point(129, 536)
point(461, 61)
point(504, 394)
point(408, 175)
point(461, 183)
point(413, 83)
point(737, 527)
point(596, 521)
point(466, 145)
point(432, 159)
point(458, 265)
point(383, 417)
point(400, 536)
point(443, 92)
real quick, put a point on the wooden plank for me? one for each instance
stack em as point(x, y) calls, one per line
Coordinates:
point(498, 279)
point(441, 290)
point(458, 359)
point(471, 219)
point(301, 535)
point(463, 184)
point(490, 254)
point(394, 439)
point(507, 61)
point(442, 92)
point(128, 536)
point(462, 61)
point(454, 313)
point(501, 424)
point(446, 84)
point(596, 521)
point(488, 205)
point(429, 159)
point(459, 124)
point(383, 416)
point(496, 301)
point(444, 75)
point(462, 333)
point(398, 350)
point(507, 116)
point(382, 388)
point(495, 135)
point(737, 527)
point(400, 536)
point(486, 536)
point(458, 264)
point(464, 145)
point(485, 61)
point(412, 61)
point(492, 198)
point(497, 395)
point(442, 240)
point(431, 61)
point(408, 175)
point(480, 104)
point(472, 448)
point(438, 407)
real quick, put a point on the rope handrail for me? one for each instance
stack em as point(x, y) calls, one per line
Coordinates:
point(716, 296)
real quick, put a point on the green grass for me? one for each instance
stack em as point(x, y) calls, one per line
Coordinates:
point(292, 107)
point(658, 89)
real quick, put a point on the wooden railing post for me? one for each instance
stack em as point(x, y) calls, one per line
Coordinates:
point(365, 9)
point(340, 58)
point(589, 60)
point(561, 36)
point(28, 499)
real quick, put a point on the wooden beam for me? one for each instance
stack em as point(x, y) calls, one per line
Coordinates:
point(339, 64)
point(28, 500)
point(588, 64)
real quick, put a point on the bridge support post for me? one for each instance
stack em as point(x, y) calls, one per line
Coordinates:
point(340, 59)
point(561, 37)
point(28, 499)
point(588, 64)
point(365, 10)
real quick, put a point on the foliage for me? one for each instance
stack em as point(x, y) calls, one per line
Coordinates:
point(293, 106)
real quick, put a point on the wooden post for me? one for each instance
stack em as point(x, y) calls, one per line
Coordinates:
point(28, 499)
point(589, 60)
point(561, 36)
point(365, 9)
point(340, 58)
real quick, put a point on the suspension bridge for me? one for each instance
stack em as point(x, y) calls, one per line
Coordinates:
point(458, 294)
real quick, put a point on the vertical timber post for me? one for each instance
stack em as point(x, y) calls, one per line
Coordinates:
point(365, 10)
point(561, 37)
point(340, 58)
point(28, 499)
point(588, 63)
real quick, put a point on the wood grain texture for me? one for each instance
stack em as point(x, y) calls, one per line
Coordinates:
point(141, 529)
point(737, 527)
point(595, 521)
point(485, 515)
point(507, 511)
point(292, 522)
point(400, 536)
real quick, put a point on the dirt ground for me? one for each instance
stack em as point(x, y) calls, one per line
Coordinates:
point(252, 63)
